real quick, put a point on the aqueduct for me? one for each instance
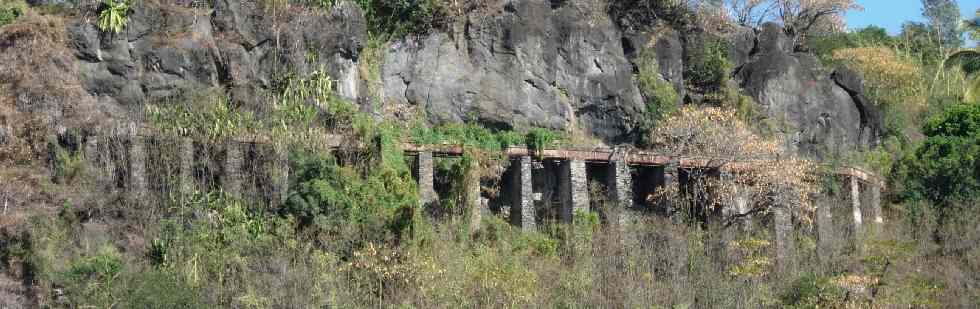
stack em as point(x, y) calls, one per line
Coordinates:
point(556, 176)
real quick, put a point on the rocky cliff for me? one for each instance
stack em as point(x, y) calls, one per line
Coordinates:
point(523, 63)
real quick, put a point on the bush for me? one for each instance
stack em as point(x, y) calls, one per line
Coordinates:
point(946, 166)
point(637, 14)
point(812, 291)
point(661, 97)
point(402, 17)
point(9, 14)
point(114, 15)
point(706, 70)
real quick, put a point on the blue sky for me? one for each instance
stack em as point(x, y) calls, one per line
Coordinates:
point(890, 14)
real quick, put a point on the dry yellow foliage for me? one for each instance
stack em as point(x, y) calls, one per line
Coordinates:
point(889, 79)
point(758, 168)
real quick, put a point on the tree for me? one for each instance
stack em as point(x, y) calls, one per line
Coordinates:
point(890, 80)
point(944, 19)
point(760, 168)
point(751, 13)
point(969, 61)
point(946, 166)
point(972, 26)
point(800, 18)
point(803, 17)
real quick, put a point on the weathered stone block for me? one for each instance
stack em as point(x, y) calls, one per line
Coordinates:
point(280, 177)
point(876, 203)
point(522, 212)
point(137, 168)
point(856, 204)
point(619, 183)
point(424, 174)
point(783, 231)
point(573, 186)
point(231, 181)
point(185, 153)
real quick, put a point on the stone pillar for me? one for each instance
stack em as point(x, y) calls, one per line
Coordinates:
point(185, 153)
point(231, 181)
point(424, 174)
point(740, 203)
point(137, 167)
point(522, 212)
point(825, 230)
point(783, 235)
point(573, 188)
point(619, 183)
point(474, 202)
point(280, 177)
point(856, 204)
point(671, 181)
point(94, 159)
point(876, 202)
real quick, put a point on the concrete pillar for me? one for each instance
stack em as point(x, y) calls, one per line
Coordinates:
point(783, 235)
point(137, 167)
point(185, 153)
point(876, 202)
point(280, 177)
point(522, 212)
point(231, 181)
point(619, 183)
point(573, 188)
point(424, 174)
point(856, 204)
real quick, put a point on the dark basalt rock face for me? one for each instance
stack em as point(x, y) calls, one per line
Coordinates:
point(818, 115)
point(530, 64)
point(168, 51)
point(520, 64)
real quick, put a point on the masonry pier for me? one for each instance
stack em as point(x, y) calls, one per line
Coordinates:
point(560, 177)
point(573, 189)
point(231, 180)
point(522, 212)
point(424, 174)
point(619, 185)
point(137, 167)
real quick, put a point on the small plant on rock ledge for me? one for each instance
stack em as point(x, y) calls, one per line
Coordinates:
point(113, 16)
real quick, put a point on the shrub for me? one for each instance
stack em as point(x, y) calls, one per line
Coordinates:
point(706, 70)
point(114, 15)
point(661, 97)
point(812, 291)
point(636, 14)
point(402, 17)
point(945, 166)
point(9, 14)
point(336, 199)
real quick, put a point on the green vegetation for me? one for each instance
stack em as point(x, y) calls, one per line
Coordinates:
point(706, 70)
point(660, 96)
point(401, 17)
point(351, 232)
point(9, 13)
point(114, 16)
point(945, 167)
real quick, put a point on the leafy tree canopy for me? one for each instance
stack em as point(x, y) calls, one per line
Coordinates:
point(946, 167)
